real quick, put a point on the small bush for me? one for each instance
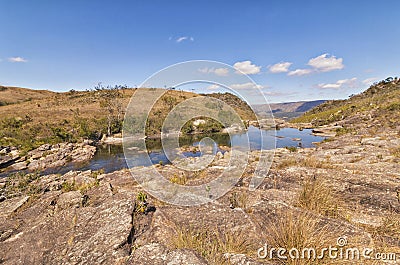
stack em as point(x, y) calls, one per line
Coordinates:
point(141, 196)
point(141, 203)
point(343, 130)
point(68, 186)
point(291, 148)
point(180, 180)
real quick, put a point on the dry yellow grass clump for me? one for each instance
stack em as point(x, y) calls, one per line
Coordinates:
point(212, 243)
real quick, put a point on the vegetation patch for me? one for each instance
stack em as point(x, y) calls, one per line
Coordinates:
point(20, 183)
point(299, 231)
point(238, 200)
point(212, 243)
point(379, 100)
point(318, 197)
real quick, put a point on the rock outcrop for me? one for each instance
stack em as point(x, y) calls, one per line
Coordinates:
point(50, 156)
point(93, 218)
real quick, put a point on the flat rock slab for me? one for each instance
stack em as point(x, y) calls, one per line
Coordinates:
point(12, 205)
point(158, 254)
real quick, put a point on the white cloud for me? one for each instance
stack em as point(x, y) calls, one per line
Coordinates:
point(221, 71)
point(246, 67)
point(17, 60)
point(368, 81)
point(217, 71)
point(204, 70)
point(343, 83)
point(326, 63)
point(213, 87)
point(183, 38)
point(300, 72)
point(282, 67)
point(248, 85)
point(276, 93)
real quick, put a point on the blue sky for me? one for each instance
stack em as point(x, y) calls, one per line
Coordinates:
point(295, 50)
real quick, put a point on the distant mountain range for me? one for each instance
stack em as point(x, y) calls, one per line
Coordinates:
point(288, 110)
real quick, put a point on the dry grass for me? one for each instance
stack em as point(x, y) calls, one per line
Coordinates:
point(238, 200)
point(395, 152)
point(288, 162)
point(19, 184)
point(12, 95)
point(180, 180)
point(390, 226)
point(313, 162)
point(212, 243)
point(318, 197)
point(307, 161)
point(299, 231)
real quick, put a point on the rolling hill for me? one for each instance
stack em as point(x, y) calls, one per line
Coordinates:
point(288, 110)
point(12, 95)
point(377, 108)
point(30, 118)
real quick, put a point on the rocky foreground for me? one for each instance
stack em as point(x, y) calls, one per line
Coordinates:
point(348, 187)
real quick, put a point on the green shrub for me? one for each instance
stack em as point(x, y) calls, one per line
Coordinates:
point(291, 148)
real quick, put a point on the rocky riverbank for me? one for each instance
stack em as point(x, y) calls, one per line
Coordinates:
point(346, 187)
point(46, 156)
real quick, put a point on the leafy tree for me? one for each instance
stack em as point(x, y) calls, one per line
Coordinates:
point(111, 101)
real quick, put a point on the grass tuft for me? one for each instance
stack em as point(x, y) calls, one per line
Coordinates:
point(318, 197)
point(300, 231)
point(212, 243)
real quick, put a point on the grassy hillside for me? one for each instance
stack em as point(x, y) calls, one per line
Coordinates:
point(12, 95)
point(37, 117)
point(378, 106)
point(243, 110)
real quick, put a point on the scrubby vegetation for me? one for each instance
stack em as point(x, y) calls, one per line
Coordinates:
point(379, 102)
point(21, 183)
point(39, 117)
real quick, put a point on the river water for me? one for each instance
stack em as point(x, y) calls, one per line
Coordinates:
point(111, 157)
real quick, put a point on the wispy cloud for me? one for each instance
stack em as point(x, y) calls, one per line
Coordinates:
point(182, 38)
point(248, 85)
point(277, 93)
point(343, 83)
point(300, 72)
point(218, 71)
point(370, 80)
point(282, 67)
point(17, 60)
point(213, 87)
point(246, 67)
